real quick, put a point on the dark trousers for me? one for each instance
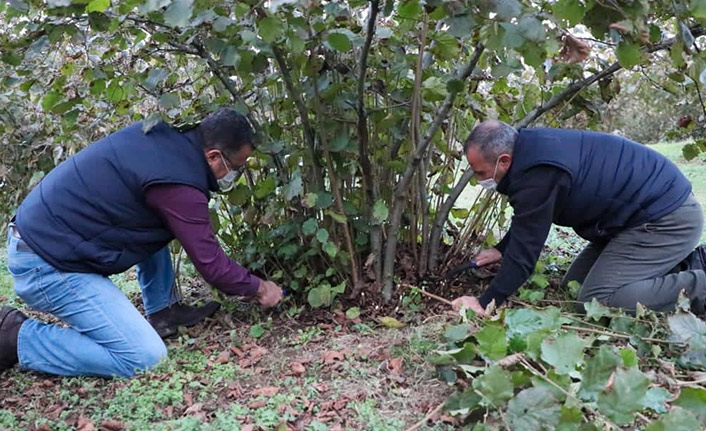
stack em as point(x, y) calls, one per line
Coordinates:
point(636, 265)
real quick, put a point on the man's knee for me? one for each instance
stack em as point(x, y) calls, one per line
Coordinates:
point(141, 358)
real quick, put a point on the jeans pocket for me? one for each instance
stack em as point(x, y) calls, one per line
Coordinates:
point(28, 286)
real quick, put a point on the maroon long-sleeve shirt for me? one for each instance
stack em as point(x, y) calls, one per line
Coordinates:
point(185, 210)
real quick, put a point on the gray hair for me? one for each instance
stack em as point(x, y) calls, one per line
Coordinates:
point(492, 138)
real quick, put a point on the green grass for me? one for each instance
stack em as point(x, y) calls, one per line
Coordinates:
point(694, 170)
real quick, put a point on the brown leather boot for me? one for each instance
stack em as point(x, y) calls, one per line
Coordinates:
point(168, 320)
point(10, 321)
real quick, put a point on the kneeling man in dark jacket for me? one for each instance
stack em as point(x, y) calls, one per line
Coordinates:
point(631, 203)
point(115, 204)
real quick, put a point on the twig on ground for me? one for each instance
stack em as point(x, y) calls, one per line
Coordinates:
point(425, 293)
point(427, 417)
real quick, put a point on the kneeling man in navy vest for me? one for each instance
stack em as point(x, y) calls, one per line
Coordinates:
point(117, 203)
point(631, 203)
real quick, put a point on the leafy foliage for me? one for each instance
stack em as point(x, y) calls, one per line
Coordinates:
point(562, 376)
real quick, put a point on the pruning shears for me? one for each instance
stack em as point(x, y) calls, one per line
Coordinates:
point(461, 269)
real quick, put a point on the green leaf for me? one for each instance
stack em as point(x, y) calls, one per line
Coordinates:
point(179, 13)
point(456, 86)
point(565, 353)
point(676, 420)
point(595, 310)
point(598, 370)
point(330, 249)
point(353, 313)
point(409, 9)
point(629, 357)
point(462, 403)
point(115, 92)
point(457, 333)
point(698, 8)
point(310, 200)
point(270, 29)
point(339, 218)
point(98, 6)
point(693, 400)
point(256, 331)
point(656, 400)
point(324, 200)
point(51, 99)
point(508, 9)
point(339, 41)
point(533, 409)
point(492, 344)
point(152, 120)
point(461, 25)
point(570, 10)
point(265, 187)
point(322, 236)
point(12, 58)
point(625, 396)
point(446, 48)
point(391, 322)
point(495, 385)
point(320, 296)
point(309, 226)
point(688, 329)
point(523, 321)
point(380, 212)
point(295, 186)
point(629, 54)
point(169, 100)
point(690, 151)
point(156, 76)
point(532, 29)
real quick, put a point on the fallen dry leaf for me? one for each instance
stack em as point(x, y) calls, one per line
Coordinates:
point(395, 365)
point(574, 49)
point(112, 425)
point(257, 404)
point(332, 356)
point(194, 409)
point(223, 357)
point(247, 427)
point(297, 368)
point(267, 391)
point(84, 424)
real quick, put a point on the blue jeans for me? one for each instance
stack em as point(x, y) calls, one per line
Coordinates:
point(106, 336)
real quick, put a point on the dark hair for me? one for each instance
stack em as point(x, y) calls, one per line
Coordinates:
point(227, 130)
point(492, 138)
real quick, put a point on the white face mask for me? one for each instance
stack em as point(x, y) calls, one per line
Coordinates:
point(225, 183)
point(490, 184)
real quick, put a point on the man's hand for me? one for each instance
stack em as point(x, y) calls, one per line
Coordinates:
point(268, 294)
point(468, 302)
point(488, 256)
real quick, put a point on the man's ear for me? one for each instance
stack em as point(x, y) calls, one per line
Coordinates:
point(504, 161)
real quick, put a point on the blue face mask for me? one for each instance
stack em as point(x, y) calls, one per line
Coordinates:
point(226, 182)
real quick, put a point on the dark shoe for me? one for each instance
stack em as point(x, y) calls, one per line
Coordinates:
point(695, 260)
point(10, 321)
point(167, 321)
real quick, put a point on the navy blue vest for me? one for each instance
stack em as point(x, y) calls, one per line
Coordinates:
point(615, 183)
point(89, 213)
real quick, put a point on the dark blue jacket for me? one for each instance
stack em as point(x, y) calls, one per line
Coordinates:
point(89, 213)
point(615, 183)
